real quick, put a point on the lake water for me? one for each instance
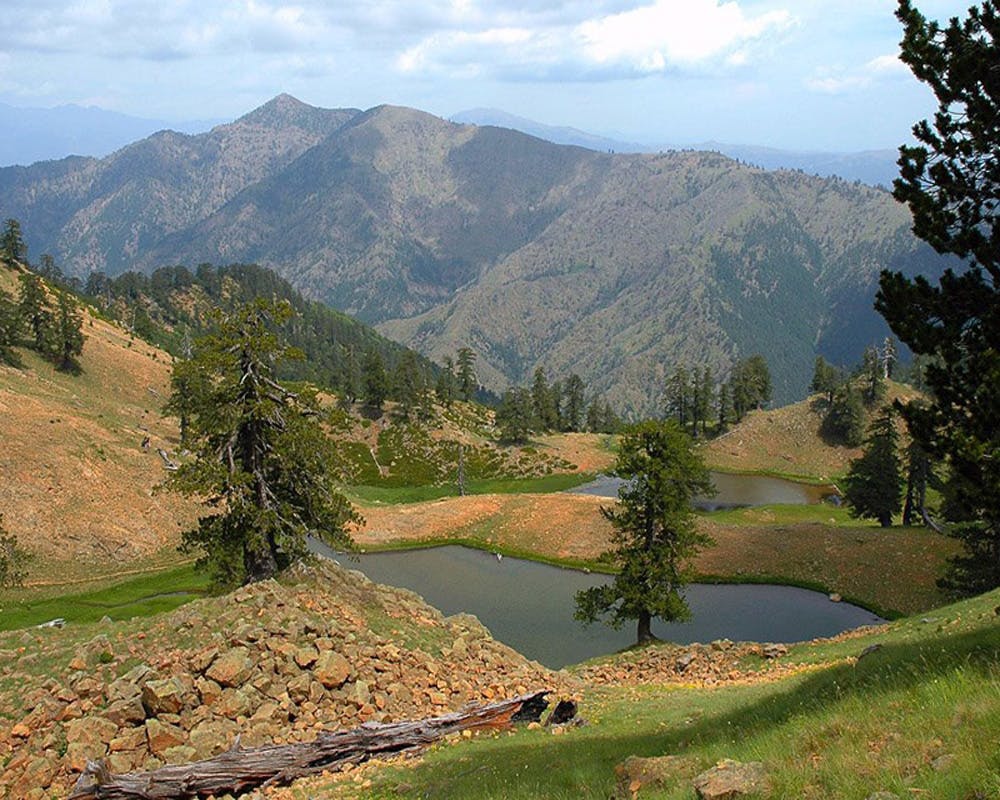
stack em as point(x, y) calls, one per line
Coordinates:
point(529, 606)
point(734, 491)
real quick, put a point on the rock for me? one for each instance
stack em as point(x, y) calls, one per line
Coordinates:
point(90, 730)
point(835, 598)
point(730, 779)
point(684, 661)
point(654, 774)
point(943, 762)
point(181, 754)
point(212, 737)
point(332, 669)
point(126, 712)
point(163, 697)
point(160, 736)
point(772, 651)
point(231, 668)
point(306, 656)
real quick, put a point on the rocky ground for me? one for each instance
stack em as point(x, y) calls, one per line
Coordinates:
point(273, 662)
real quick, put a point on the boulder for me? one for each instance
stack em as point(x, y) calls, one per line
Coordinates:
point(163, 696)
point(730, 779)
point(652, 774)
point(161, 736)
point(332, 669)
point(231, 668)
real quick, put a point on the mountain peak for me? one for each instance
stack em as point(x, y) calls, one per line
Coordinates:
point(286, 111)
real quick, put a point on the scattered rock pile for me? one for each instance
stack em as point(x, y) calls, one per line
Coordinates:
point(271, 662)
point(712, 664)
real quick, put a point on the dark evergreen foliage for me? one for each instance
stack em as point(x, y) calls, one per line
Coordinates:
point(13, 560)
point(950, 180)
point(164, 309)
point(654, 528)
point(874, 482)
point(261, 457)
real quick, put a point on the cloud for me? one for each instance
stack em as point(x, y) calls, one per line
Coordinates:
point(838, 80)
point(664, 36)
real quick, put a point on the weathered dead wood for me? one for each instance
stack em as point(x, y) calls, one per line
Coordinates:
point(168, 463)
point(241, 770)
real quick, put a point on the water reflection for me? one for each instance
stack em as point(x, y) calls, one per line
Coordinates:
point(734, 491)
point(530, 606)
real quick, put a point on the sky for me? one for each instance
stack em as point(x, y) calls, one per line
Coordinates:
point(795, 74)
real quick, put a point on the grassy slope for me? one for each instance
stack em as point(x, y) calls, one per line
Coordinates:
point(919, 717)
point(786, 442)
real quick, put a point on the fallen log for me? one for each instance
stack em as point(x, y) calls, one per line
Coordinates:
point(241, 770)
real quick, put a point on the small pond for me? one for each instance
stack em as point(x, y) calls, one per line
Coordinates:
point(529, 606)
point(734, 491)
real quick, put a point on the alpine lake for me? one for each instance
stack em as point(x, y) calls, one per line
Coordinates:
point(529, 605)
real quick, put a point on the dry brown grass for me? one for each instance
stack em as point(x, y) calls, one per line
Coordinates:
point(786, 442)
point(77, 488)
point(889, 570)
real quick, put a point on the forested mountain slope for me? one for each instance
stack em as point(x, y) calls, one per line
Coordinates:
point(617, 267)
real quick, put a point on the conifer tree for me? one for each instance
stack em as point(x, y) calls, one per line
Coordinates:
point(514, 416)
point(13, 560)
point(466, 375)
point(261, 457)
point(445, 386)
point(33, 308)
point(950, 179)
point(376, 382)
point(68, 335)
point(655, 534)
point(12, 246)
point(10, 330)
point(573, 403)
point(874, 482)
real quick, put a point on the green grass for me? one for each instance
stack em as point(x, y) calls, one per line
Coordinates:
point(139, 597)
point(419, 494)
point(846, 730)
point(780, 514)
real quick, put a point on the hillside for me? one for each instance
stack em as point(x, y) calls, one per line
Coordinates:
point(79, 487)
point(788, 441)
point(611, 266)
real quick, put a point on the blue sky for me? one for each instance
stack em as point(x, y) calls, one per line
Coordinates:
point(801, 74)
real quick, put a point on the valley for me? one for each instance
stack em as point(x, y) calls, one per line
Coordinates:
point(330, 418)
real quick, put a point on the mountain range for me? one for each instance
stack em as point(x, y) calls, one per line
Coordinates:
point(616, 266)
point(874, 167)
point(46, 134)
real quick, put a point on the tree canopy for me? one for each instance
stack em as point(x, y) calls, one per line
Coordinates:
point(260, 455)
point(950, 179)
point(874, 482)
point(654, 528)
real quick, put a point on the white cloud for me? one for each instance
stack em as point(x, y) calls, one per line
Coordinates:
point(838, 80)
point(665, 35)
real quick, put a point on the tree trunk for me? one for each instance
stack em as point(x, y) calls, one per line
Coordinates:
point(644, 633)
point(238, 771)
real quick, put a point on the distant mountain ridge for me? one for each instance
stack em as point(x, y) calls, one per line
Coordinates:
point(874, 167)
point(614, 266)
point(46, 134)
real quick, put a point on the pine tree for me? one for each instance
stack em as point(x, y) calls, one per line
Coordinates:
point(12, 246)
point(678, 400)
point(466, 376)
point(545, 410)
point(514, 416)
point(10, 330)
point(376, 382)
point(844, 422)
point(68, 335)
point(33, 308)
point(445, 386)
point(874, 482)
point(826, 378)
point(261, 457)
point(408, 384)
point(950, 179)
point(655, 534)
point(573, 403)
